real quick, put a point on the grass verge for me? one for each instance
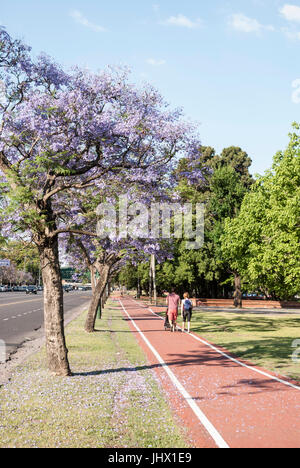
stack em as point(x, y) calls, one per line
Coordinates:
point(264, 340)
point(112, 400)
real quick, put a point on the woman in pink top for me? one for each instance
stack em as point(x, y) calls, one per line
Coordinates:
point(173, 302)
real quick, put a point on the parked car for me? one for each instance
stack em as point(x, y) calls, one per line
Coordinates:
point(31, 290)
point(2, 288)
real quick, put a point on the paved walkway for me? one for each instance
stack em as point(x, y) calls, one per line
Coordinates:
point(222, 401)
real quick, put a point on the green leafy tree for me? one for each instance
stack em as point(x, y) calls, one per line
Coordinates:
point(224, 182)
point(240, 161)
point(227, 193)
point(24, 255)
point(222, 187)
point(263, 243)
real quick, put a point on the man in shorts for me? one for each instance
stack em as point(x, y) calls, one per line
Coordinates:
point(173, 302)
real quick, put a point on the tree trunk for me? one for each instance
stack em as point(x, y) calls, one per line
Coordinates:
point(214, 289)
point(57, 353)
point(138, 293)
point(93, 277)
point(238, 303)
point(153, 269)
point(95, 302)
point(150, 283)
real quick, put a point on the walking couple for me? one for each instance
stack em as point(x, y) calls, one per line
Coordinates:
point(173, 301)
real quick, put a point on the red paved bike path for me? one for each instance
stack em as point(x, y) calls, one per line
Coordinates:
point(247, 409)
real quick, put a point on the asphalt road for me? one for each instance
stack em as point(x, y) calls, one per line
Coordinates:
point(21, 316)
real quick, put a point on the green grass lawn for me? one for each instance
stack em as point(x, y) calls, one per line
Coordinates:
point(112, 400)
point(264, 340)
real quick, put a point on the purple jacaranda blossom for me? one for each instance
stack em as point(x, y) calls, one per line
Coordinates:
point(66, 134)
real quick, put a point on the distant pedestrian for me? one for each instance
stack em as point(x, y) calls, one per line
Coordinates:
point(173, 301)
point(186, 311)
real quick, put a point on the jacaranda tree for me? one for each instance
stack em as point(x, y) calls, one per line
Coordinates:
point(118, 244)
point(62, 133)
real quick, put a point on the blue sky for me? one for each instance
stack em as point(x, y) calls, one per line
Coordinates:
point(233, 66)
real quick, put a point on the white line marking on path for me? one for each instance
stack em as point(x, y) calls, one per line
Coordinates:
point(200, 415)
point(265, 374)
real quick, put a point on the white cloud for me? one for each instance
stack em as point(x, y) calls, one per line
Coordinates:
point(243, 23)
point(81, 19)
point(291, 12)
point(293, 35)
point(296, 93)
point(183, 22)
point(156, 63)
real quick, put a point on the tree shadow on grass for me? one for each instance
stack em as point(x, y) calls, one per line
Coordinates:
point(205, 358)
point(277, 349)
point(241, 324)
point(191, 361)
point(208, 358)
